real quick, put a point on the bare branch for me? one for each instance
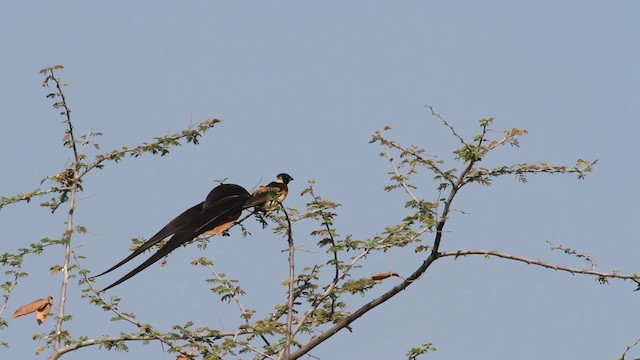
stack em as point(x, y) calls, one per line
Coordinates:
point(629, 347)
point(446, 123)
point(284, 354)
point(548, 265)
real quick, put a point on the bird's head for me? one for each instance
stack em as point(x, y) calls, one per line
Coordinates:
point(284, 177)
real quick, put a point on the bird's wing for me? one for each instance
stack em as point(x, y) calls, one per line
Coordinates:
point(173, 226)
point(219, 213)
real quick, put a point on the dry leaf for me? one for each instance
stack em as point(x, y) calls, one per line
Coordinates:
point(382, 276)
point(184, 357)
point(319, 232)
point(41, 349)
point(36, 305)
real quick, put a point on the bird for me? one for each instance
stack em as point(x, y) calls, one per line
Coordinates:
point(268, 196)
point(222, 207)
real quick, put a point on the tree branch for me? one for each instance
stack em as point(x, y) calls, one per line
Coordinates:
point(446, 123)
point(548, 265)
point(75, 184)
point(629, 347)
point(141, 337)
point(284, 354)
point(364, 309)
point(407, 187)
point(225, 282)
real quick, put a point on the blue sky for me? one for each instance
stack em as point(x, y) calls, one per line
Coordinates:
point(301, 87)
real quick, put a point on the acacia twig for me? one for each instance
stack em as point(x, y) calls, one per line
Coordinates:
point(579, 255)
point(236, 299)
point(75, 182)
point(545, 264)
point(292, 273)
point(396, 170)
point(629, 347)
point(446, 123)
point(9, 286)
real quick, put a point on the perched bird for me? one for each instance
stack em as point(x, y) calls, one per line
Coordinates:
point(266, 197)
point(222, 207)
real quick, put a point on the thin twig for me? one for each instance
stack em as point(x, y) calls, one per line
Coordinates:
point(426, 162)
point(328, 290)
point(629, 347)
point(9, 286)
point(292, 273)
point(579, 255)
point(446, 123)
point(405, 186)
point(327, 226)
point(235, 298)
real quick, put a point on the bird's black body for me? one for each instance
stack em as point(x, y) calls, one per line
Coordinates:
point(223, 205)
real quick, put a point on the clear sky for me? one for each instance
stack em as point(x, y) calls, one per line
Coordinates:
point(301, 86)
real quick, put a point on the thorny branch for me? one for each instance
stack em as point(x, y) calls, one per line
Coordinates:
point(284, 354)
point(629, 347)
point(74, 184)
point(447, 124)
point(602, 276)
